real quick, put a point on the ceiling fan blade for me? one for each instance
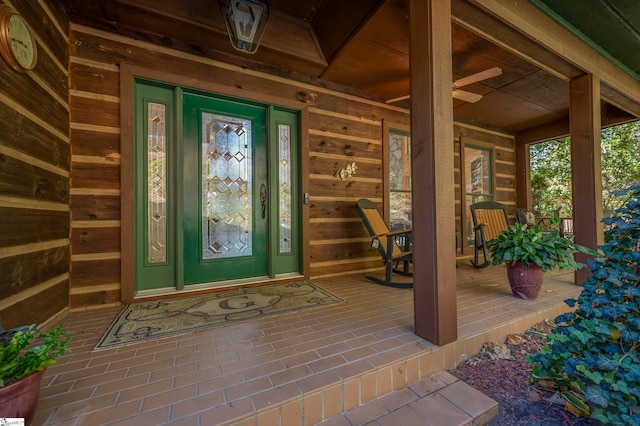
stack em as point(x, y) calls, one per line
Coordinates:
point(461, 94)
point(466, 96)
point(457, 93)
point(401, 98)
point(479, 76)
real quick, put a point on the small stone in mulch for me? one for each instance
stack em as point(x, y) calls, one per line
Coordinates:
point(534, 396)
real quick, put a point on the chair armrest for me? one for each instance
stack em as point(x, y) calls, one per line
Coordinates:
point(400, 232)
point(395, 233)
point(478, 226)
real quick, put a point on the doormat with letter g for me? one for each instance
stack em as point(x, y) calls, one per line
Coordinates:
point(161, 318)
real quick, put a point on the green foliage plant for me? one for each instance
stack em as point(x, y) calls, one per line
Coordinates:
point(531, 245)
point(551, 168)
point(27, 351)
point(593, 352)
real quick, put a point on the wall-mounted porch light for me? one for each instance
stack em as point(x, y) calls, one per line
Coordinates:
point(246, 21)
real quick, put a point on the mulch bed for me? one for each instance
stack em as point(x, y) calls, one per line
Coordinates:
point(502, 372)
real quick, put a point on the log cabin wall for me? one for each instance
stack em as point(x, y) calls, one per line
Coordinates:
point(34, 174)
point(341, 128)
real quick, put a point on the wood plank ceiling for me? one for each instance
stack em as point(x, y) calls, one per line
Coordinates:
point(363, 46)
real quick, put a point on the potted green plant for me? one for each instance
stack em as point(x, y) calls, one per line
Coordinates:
point(25, 353)
point(529, 252)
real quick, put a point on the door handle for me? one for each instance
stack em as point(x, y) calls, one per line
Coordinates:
point(263, 200)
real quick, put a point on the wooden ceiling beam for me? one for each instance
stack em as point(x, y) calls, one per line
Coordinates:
point(558, 129)
point(619, 100)
point(499, 33)
point(547, 132)
point(611, 115)
point(537, 26)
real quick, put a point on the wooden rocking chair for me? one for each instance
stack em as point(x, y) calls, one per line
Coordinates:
point(386, 242)
point(489, 220)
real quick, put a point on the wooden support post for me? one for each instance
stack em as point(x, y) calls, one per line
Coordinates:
point(584, 110)
point(433, 189)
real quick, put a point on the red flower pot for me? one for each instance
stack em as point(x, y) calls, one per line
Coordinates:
point(20, 399)
point(525, 281)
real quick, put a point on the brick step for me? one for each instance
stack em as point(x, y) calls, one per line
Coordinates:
point(440, 399)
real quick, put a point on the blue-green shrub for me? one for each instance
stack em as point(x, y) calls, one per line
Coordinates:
point(593, 353)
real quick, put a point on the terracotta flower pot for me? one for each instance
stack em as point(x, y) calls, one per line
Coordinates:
point(20, 399)
point(525, 282)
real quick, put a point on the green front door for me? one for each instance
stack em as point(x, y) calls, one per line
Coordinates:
point(225, 190)
point(216, 184)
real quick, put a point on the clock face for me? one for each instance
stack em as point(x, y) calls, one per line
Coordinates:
point(21, 42)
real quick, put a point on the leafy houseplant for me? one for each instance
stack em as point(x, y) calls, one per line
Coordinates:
point(24, 355)
point(593, 355)
point(528, 252)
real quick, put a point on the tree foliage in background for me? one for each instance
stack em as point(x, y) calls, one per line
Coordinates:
point(551, 168)
point(550, 175)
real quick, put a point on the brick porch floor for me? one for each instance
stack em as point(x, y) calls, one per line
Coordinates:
point(301, 367)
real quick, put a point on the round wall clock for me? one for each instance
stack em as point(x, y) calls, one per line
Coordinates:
point(17, 44)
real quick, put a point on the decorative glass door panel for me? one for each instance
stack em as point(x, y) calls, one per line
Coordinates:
point(157, 183)
point(226, 187)
point(284, 185)
point(225, 205)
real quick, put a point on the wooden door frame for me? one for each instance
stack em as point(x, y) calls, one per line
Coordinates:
point(127, 75)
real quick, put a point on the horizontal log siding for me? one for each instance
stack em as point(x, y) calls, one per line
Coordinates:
point(95, 196)
point(338, 139)
point(342, 129)
point(35, 158)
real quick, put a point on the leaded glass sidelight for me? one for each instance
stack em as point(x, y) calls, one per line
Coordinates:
point(226, 187)
point(284, 183)
point(156, 183)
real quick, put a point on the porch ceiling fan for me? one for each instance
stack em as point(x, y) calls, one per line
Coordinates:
point(462, 94)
